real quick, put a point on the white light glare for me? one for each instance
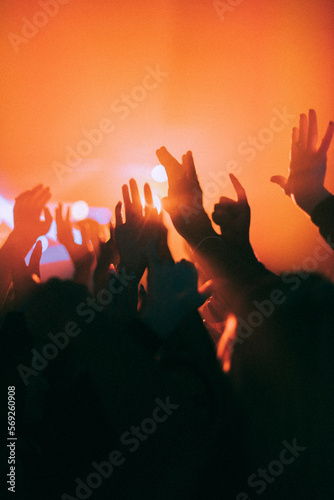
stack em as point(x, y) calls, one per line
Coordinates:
point(159, 174)
point(156, 202)
point(79, 210)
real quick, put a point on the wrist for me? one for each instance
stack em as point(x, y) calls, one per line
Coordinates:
point(313, 200)
point(16, 245)
point(196, 228)
point(22, 242)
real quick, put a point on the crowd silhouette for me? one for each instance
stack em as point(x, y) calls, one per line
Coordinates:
point(123, 387)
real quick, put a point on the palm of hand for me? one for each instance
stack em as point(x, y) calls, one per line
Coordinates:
point(133, 235)
point(305, 182)
point(307, 173)
point(27, 214)
point(185, 199)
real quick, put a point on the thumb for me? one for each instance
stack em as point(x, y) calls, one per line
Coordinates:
point(280, 181)
point(166, 204)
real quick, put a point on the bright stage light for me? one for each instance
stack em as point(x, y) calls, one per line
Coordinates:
point(159, 174)
point(79, 210)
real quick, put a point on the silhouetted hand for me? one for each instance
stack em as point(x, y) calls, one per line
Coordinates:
point(82, 255)
point(133, 235)
point(157, 231)
point(233, 217)
point(28, 208)
point(184, 202)
point(305, 183)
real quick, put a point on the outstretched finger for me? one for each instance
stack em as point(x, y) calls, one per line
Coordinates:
point(294, 146)
point(172, 166)
point(312, 136)
point(148, 195)
point(150, 211)
point(325, 143)
point(118, 214)
point(59, 213)
point(189, 165)
point(68, 215)
point(136, 203)
point(110, 231)
point(127, 201)
point(303, 131)
point(241, 193)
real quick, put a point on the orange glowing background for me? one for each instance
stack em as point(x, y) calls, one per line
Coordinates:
point(222, 80)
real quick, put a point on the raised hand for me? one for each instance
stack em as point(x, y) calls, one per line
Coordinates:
point(233, 217)
point(184, 202)
point(156, 226)
point(82, 255)
point(133, 235)
point(305, 182)
point(28, 209)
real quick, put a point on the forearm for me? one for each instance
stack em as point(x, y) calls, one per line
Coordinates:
point(312, 199)
point(9, 253)
point(323, 217)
